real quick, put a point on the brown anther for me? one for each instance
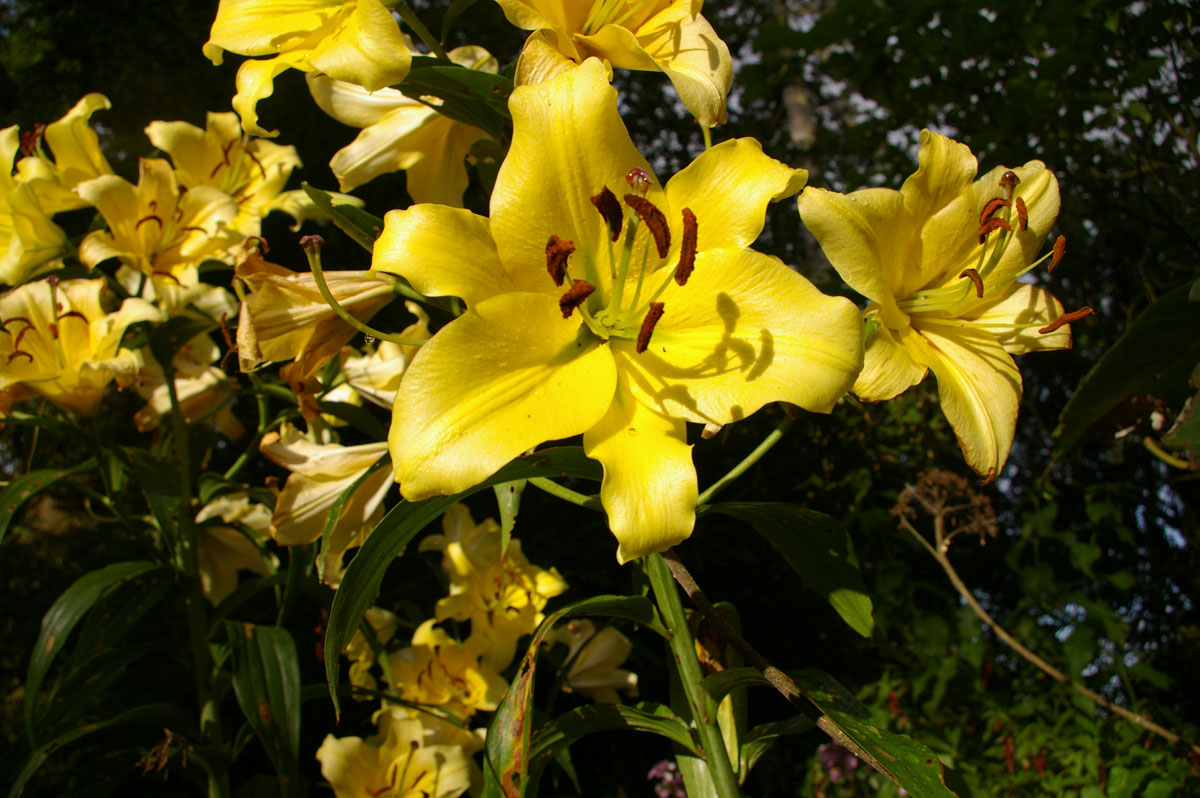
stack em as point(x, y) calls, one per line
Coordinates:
point(576, 295)
point(557, 252)
point(1060, 251)
point(30, 139)
point(993, 205)
point(312, 243)
point(1009, 181)
point(687, 248)
point(257, 241)
point(638, 180)
point(20, 336)
point(975, 279)
point(18, 352)
point(610, 208)
point(151, 218)
point(995, 223)
point(1022, 213)
point(72, 314)
point(1066, 318)
point(652, 316)
point(655, 221)
point(53, 330)
point(171, 277)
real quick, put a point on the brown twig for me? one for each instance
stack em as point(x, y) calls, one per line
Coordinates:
point(938, 552)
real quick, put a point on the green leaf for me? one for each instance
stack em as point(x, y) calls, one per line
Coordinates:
point(358, 417)
point(722, 683)
point(1163, 341)
point(22, 488)
point(61, 618)
point(508, 498)
point(354, 222)
point(363, 576)
point(911, 765)
point(571, 726)
point(761, 738)
point(266, 679)
point(1185, 432)
point(507, 756)
point(818, 549)
point(335, 509)
point(167, 338)
point(479, 99)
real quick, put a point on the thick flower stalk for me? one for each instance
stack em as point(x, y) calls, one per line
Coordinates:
point(668, 36)
point(400, 133)
point(252, 171)
point(58, 341)
point(621, 320)
point(940, 261)
point(501, 593)
point(353, 40)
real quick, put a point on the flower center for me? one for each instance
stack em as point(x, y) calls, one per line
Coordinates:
point(631, 309)
point(608, 12)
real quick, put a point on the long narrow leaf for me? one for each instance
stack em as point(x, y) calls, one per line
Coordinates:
point(266, 679)
point(24, 487)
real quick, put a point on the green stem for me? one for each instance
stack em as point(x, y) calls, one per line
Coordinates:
point(251, 449)
point(684, 648)
point(314, 261)
point(423, 33)
point(566, 494)
point(750, 459)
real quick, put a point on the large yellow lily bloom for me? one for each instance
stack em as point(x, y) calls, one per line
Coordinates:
point(353, 40)
point(77, 157)
point(668, 36)
point(643, 354)
point(30, 242)
point(939, 259)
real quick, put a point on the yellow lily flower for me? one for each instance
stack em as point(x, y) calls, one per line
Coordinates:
point(320, 474)
point(284, 317)
point(30, 243)
point(77, 157)
point(398, 761)
point(353, 40)
point(376, 375)
point(594, 659)
point(252, 171)
point(939, 259)
point(653, 345)
point(501, 594)
point(438, 671)
point(666, 36)
point(202, 389)
point(222, 550)
point(399, 132)
point(159, 230)
point(57, 339)
point(360, 652)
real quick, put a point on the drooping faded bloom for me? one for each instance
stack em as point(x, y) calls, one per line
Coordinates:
point(320, 474)
point(57, 340)
point(668, 36)
point(594, 660)
point(399, 132)
point(157, 231)
point(227, 541)
point(353, 40)
point(30, 243)
point(638, 344)
point(203, 391)
point(284, 317)
point(252, 171)
point(500, 593)
point(439, 671)
point(76, 157)
point(398, 762)
point(376, 375)
point(939, 259)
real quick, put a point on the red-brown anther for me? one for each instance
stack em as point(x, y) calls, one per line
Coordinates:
point(1066, 318)
point(1022, 213)
point(687, 248)
point(1060, 251)
point(30, 139)
point(18, 352)
point(610, 208)
point(655, 221)
point(150, 218)
point(993, 205)
point(975, 279)
point(557, 252)
point(995, 223)
point(73, 314)
point(652, 316)
point(576, 295)
point(638, 180)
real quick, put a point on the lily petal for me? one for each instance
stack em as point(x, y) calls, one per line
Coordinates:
point(888, 368)
point(1015, 317)
point(649, 489)
point(498, 380)
point(745, 331)
point(979, 387)
point(728, 188)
